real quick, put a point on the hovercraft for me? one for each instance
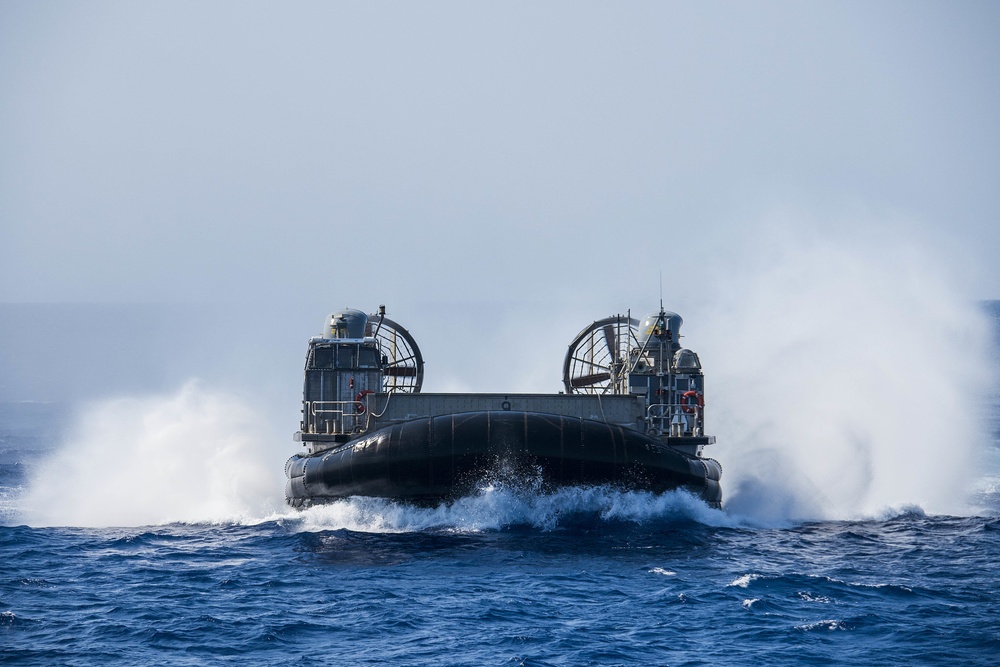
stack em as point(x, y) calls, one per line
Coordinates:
point(631, 416)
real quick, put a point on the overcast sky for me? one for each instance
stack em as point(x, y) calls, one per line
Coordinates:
point(817, 183)
point(450, 159)
point(351, 153)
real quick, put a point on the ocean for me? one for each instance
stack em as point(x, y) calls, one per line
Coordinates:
point(128, 537)
point(581, 577)
point(670, 588)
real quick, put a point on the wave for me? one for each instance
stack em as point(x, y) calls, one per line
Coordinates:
point(498, 508)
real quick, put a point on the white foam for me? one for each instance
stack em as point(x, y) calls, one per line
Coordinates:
point(845, 378)
point(196, 456)
point(830, 624)
point(203, 456)
point(745, 580)
point(846, 375)
point(494, 508)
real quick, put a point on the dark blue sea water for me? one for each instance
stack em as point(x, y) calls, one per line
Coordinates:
point(670, 590)
point(586, 577)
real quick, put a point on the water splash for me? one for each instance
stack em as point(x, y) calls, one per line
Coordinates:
point(206, 457)
point(847, 376)
point(197, 456)
point(496, 508)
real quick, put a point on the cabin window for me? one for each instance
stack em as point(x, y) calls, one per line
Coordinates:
point(323, 357)
point(367, 358)
point(345, 356)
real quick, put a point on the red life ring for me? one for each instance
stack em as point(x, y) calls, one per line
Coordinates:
point(359, 405)
point(687, 406)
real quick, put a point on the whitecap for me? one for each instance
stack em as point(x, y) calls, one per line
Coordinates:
point(745, 580)
point(827, 624)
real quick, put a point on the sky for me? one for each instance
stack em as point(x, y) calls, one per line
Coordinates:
point(188, 188)
point(280, 160)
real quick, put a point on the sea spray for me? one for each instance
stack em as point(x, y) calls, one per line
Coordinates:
point(496, 508)
point(196, 456)
point(846, 377)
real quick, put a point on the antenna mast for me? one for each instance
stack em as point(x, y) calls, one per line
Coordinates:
point(661, 289)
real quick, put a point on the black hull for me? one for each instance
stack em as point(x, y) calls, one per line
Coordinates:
point(441, 458)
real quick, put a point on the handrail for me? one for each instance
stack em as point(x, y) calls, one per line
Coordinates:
point(341, 421)
point(312, 406)
point(388, 396)
point(665, 416)
point(337, 408)
point(370, 414)
point(675, 407)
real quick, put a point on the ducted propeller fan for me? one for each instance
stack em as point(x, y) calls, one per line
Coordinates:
point(598, 358)
point(402, 363)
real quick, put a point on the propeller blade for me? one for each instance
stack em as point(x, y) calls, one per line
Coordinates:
point(587, 380)
point(611, 340)
point(400, 371)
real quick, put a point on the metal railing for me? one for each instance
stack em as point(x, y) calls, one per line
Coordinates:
point(675, 419)
point(334, 417)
